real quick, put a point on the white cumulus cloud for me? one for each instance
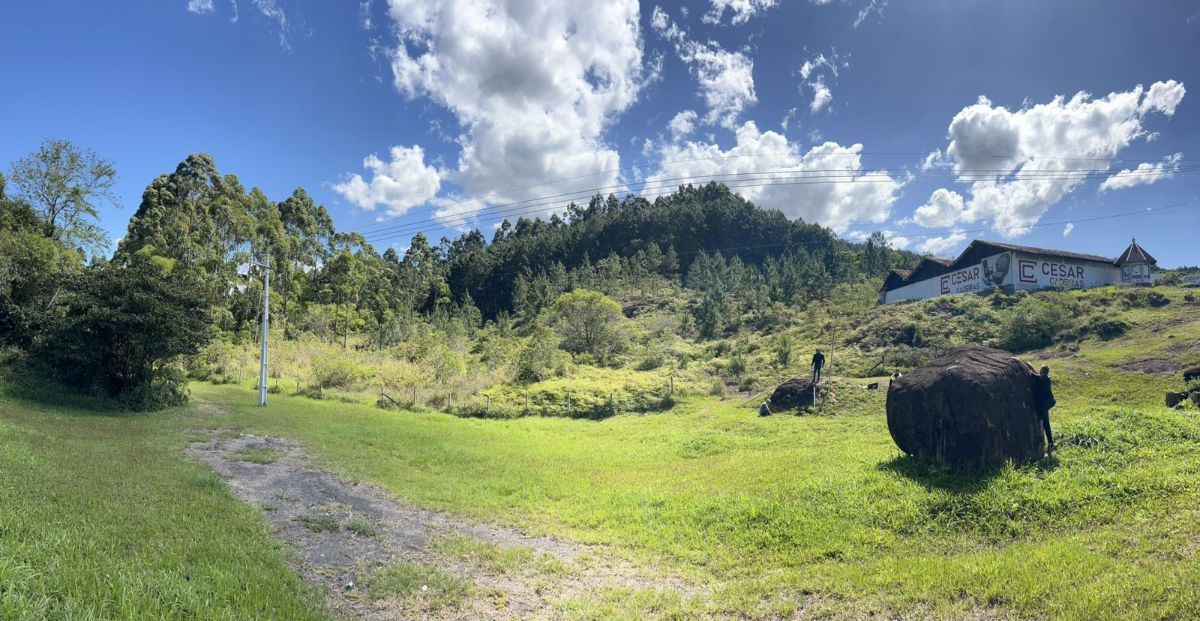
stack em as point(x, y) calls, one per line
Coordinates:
point(1017, 165)
point(1068, 228)
point(944, 208)
point(200, 7)
point(399, 184)
point(815, 76)
point(683, 123)
point(827, 184)
point(740, 10)
point(893, 240)
point(1144, 173)
point(944, 245)
point(822, 96)
point(726, 78)
point(533, 85)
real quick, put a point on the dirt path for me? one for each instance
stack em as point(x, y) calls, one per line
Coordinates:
point(380, 559)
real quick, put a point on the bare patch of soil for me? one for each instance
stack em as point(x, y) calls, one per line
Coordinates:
point(347, 536)
point(1153, 365)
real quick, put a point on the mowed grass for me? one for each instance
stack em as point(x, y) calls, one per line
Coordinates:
point(810, 514)
point(101, 517)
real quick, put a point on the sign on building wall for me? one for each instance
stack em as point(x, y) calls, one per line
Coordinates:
point(989, 273)
point(1035, 272)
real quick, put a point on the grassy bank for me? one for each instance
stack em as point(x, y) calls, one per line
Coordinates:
point(772, 509)
point(102, 518)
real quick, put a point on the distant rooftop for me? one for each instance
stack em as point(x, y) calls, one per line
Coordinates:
point(1135, 254)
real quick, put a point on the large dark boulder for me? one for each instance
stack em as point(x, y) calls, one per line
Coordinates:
point(792, 394)
point(972, 407)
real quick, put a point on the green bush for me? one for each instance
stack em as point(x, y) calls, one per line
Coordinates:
point(1032, 323)
point(214, 362)
point(338, 371)
point(540, 358)
point(124, 330)
point(1104, 327)
point(1143, 298)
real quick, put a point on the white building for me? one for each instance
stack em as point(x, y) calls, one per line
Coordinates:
point(985, 265)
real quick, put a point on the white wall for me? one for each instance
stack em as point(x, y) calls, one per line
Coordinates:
point(992, 272)
point(1011, 269)
point(1038, 272)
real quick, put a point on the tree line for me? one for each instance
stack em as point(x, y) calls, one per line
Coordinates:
point(188, 268)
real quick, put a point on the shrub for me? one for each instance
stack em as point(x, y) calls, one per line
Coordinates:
point(214, 362)
point(1033, 323)
point(1142, 298)
point(783, 350)
point(737, 365)
point(336, 370)
point(540, 359)
point(1104, 327)
point(125, 329)
point(592, 323)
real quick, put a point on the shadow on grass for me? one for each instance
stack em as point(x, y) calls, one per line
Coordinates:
point(966, 481)
point(21, 382)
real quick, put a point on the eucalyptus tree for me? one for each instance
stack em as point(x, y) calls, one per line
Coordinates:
point(66, 186)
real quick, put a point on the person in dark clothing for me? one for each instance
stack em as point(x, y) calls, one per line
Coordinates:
point(1043, 395)
point(818, 362)
point(765, 409)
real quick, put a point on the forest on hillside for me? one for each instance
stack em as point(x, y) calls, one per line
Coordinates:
point(188, 272)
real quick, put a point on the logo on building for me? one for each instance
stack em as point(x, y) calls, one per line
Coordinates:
point(1027, 271)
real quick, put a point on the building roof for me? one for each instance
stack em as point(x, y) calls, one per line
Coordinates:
point(1078, 256)
point(1135, 254)
point(980, 249)
point(895, 278)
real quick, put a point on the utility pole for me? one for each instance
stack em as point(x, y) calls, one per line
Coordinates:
point(266, 322)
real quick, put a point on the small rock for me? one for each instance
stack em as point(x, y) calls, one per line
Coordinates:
point(1175, 398)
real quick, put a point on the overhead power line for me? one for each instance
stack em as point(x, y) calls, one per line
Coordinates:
point(729, 156)
point(742, 180)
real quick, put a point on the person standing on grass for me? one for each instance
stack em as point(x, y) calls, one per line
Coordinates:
point(818, 362)
point(1043, 396)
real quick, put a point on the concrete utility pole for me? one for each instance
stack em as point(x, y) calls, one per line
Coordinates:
point(266, 322)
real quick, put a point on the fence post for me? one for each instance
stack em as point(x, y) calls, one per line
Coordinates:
point(414, 396)
point(449, 401)
point(488, 407)
point(568, 405)
point(611, 409)
point(671, 393)
point(526, 401)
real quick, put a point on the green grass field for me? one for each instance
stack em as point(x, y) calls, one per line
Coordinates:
point(103, 517)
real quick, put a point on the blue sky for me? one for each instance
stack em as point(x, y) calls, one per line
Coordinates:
point(439, 114)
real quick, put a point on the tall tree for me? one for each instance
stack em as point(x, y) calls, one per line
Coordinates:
point(199, 218)
point(66, 186)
